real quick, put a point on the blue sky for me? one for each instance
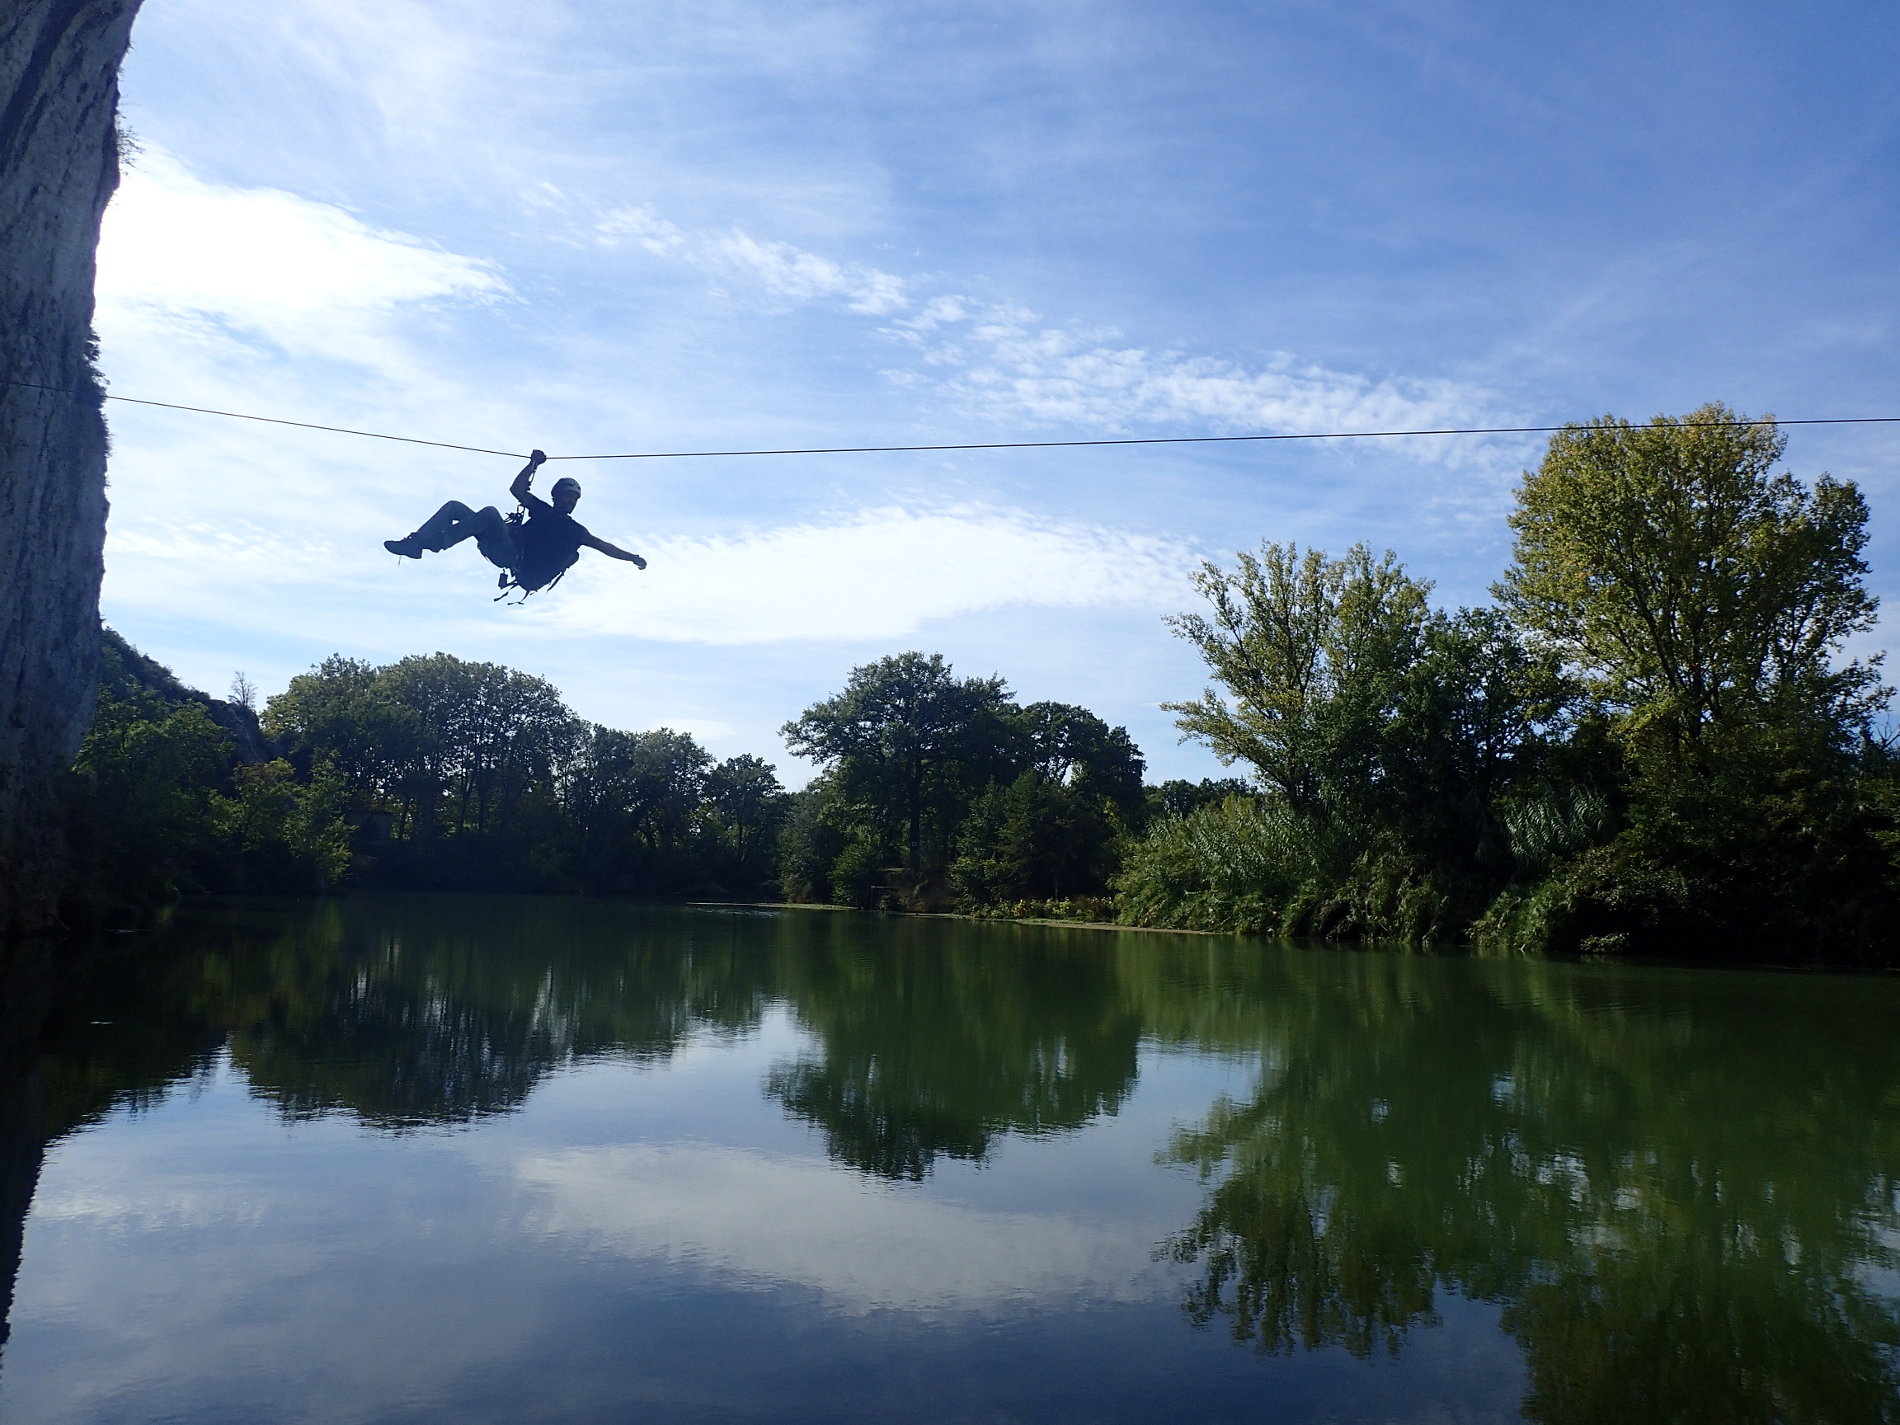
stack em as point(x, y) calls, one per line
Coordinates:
point(623, 226)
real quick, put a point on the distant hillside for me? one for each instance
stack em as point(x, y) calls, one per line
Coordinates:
point(125, 672)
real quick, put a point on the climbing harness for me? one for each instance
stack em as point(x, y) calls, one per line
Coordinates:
point(509, 582)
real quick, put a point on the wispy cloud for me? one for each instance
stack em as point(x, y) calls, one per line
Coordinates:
point(1009, 362)
point(785, 273)
point(420, 71)
point(873, 574)
point(1004, 362)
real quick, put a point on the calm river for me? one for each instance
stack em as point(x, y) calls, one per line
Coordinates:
point(468, 1159)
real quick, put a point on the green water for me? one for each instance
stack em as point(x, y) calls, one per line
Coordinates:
point(474, 1159)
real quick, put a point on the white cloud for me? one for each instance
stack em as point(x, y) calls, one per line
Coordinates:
point(262, 301)
point(865, 1246)
point(421, 70)
point(801, 276)
point(184, 262)
point(881, 573)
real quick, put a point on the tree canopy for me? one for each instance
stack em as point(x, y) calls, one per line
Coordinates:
point(1694, 587)
point(1656, 740)
point(940, 790)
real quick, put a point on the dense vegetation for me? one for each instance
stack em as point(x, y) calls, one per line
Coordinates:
point(940, 791)
point(430, 773)
point(174, 790)
point(1653, 742)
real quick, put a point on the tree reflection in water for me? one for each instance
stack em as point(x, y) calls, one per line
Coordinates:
point(1679, 1189)
point(1676, 1201)
point(928, 1045)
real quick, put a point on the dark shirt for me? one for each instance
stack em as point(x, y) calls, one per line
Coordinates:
point(547, 543)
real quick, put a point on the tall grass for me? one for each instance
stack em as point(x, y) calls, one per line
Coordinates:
point(1253, 866)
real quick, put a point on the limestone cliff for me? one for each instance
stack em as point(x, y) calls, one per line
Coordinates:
point(59, 66)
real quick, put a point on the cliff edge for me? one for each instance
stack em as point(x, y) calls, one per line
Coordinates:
point(59, 95)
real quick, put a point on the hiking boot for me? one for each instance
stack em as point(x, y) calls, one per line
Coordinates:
point(408, 547)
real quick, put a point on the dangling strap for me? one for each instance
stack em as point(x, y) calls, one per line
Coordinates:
point(509, 584)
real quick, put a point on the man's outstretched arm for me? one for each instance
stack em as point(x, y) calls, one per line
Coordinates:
point(520, 488)
point(613, 551)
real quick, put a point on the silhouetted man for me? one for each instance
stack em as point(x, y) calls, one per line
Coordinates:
point(535, 552)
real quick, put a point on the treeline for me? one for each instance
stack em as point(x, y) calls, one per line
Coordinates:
point(939, 793)
point(428, 773)
point(474, 776)
point(1652, 743)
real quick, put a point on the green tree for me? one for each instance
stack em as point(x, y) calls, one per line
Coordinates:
point(1050, 833)
point(745, 807)
point(1705, 601)
point(1478, 713)
point(1386, 735)
point(486, 735)
point(1072, 747)
point(292, 832)
point(1313, 654)
point(814, 835)
point(443, 743)
point(1695, 589)
point(339, 714)
point(633, 799)
point(1032, 839)
point(908, 744)
point(145, 818)
point(1178, 797)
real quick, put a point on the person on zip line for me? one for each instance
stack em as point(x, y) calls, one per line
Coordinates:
point(533, 553)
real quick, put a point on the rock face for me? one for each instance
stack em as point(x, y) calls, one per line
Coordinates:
point(59, 94)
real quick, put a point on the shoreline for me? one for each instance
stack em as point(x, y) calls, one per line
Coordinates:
point(973, 919)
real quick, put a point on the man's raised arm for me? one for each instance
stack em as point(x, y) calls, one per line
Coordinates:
point(520, 488)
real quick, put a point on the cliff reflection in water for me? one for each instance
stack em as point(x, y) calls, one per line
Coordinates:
point(1680, 1188)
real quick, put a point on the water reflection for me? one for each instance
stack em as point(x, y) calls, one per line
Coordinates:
point(1680, 1189)
point(931, 1046)
point(403, 1013)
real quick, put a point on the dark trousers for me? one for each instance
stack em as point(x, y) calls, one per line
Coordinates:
point(455, 522)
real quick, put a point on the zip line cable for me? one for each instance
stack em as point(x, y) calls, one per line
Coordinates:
point(972, 445)
point(1201, 439)
point(272, 420)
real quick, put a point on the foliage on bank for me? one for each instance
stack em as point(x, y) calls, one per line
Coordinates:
point(428, 773)
point(174, 791)
point(1653, 743)
point(475, 776)
point(939, 792)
